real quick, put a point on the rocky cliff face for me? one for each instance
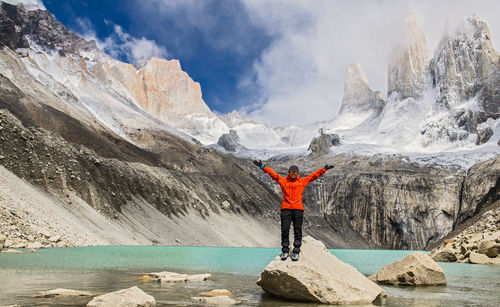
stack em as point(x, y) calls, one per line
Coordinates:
point(408, 68)
point(20, 26)
point(170, 92)
point(321, 144)
point(85, 130)
point(466, 66)
point(229, 141)
point(392, 202)
point(358, 97)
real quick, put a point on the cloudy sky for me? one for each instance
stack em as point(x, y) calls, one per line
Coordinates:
point(281, 62)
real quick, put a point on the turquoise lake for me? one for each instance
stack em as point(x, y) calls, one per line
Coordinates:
point(104, 269)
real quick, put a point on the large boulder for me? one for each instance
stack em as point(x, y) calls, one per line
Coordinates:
point(489, 248)
point(477, 258)
point(416, 269)
point(446, 255)
point(131, 297)
point(318, 277)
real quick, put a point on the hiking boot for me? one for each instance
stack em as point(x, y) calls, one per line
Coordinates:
point(294, 257)
point(283, 256)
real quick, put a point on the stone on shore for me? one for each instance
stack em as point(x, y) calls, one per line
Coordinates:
point(63, 293)
point(168, 277)
point(131, 297)
point(477, 258)
point(2, 241)
point(215, 300)
point(416, 269)
point(446, 255)
point(489, 248)
point(318, 277)
point(217, 292)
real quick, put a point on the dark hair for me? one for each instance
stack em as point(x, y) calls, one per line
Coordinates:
point(293, 168)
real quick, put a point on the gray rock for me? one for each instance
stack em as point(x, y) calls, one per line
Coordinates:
point(131, 297)
point(483, 135)
point(416, 269)
point(446, 255)
point(318, 277)
point(321, 145)
point(42, 28)
point(489, 248)
point(477, 258)
point(466, 66)
point(229, 141)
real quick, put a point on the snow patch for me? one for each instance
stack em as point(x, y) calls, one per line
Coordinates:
point(29, 5)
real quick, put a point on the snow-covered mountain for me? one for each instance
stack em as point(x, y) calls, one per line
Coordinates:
point(447, 103)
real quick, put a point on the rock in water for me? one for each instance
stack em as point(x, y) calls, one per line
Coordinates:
point(63, 293)
point(317, 277)
point(167, 277)
point(131, 297)
point(445, 255)
point(216, 300)
point(416, 269)
point(217, 292)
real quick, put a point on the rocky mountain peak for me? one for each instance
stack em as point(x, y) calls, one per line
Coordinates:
point(22, 28)
point(407, 69)
point(162, 89)
point(358, 97)
point(465, 67)
point(29, 5)
point(235, 118)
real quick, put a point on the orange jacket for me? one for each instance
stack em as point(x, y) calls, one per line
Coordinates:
point(292, 189)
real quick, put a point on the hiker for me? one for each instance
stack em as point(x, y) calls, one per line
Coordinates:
point(292, 208)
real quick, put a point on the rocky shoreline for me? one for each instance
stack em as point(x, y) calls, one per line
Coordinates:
point(479, 243)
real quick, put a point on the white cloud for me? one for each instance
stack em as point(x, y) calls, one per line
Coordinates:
point(299, 78)
point(121, 44)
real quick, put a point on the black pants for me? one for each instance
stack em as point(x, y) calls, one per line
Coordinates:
point(287, 217)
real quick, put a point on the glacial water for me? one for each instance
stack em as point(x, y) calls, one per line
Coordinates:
point(109, 268)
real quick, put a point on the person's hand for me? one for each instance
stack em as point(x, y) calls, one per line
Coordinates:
point(328, 167)
point(258, 163)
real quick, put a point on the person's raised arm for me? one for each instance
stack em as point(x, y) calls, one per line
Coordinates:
point(267, 170)
point(316, 174)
